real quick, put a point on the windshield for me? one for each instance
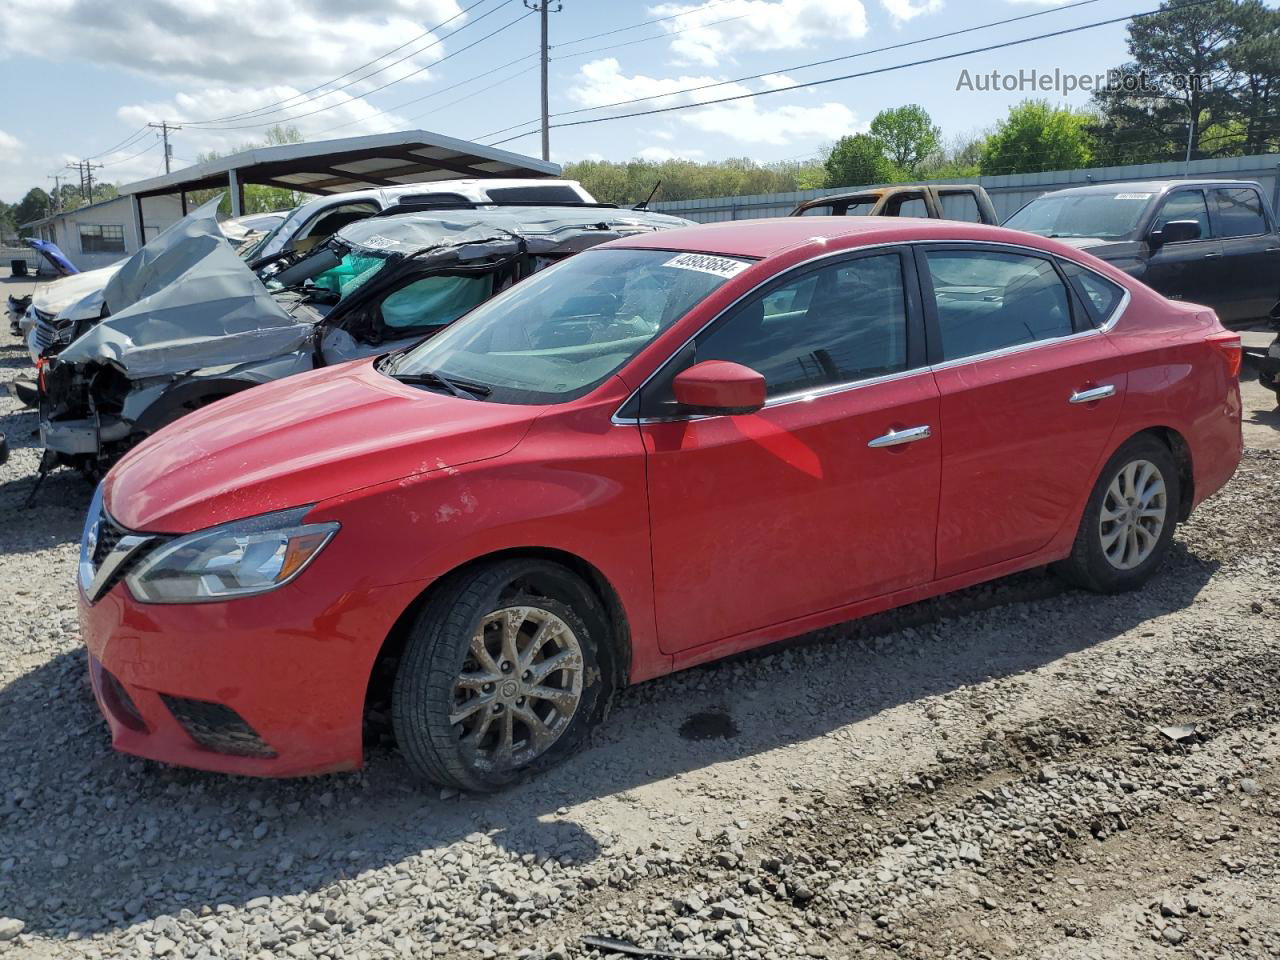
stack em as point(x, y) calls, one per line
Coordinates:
point(255, 249)
point(1108, 216)
point(560, 333)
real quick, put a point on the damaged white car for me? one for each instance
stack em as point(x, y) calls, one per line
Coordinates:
point(190, 323)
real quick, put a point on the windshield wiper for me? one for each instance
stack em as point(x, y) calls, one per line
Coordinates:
point(459, 388)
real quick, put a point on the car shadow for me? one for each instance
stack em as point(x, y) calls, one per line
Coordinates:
point(86, 839)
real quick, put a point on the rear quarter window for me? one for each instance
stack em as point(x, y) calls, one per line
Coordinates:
point(1101, 297)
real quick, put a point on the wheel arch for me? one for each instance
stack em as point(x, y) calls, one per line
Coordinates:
point(1177, 445)
point(171, 404)
point(604, 612)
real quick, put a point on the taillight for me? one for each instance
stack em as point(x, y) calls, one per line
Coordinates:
point(1228, 346)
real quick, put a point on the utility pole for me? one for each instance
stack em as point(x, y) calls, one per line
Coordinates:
point(57, 191)
point(85, 168)
point(164, 127)
point(544, 7)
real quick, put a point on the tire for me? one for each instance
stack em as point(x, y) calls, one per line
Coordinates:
point(429, 695)
point(1092, 564)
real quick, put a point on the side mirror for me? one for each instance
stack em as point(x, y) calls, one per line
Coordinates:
point(1177, 231)
point(720, 387)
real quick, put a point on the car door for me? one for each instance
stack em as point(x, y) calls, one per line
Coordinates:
point(1030, 392)
point(1191, 270)
point(1250, 253)
point(814, 501)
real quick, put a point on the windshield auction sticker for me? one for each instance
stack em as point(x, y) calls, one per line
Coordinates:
point(703, 263)
point(1133, 196)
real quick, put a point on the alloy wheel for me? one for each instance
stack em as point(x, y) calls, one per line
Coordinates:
point(519, 688)
point(1133, 515)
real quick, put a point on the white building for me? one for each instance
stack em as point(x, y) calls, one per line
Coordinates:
point(103, 232)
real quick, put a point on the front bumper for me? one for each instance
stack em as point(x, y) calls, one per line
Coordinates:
point(82, 436)
point(270, 686)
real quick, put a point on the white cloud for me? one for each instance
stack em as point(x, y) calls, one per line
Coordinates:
point(904, 10)
point(9, 144)
point(705, 32)
point(248, 41)
point(747, 120)
point(343, 116)
point(666, 135)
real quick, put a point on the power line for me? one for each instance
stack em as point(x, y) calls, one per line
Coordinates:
point(645, 23)
point(792, 69)
point(439, 93)
point(384, 86)
point(865, 73)
point(126, 142)
point(426, 33)
point(116, 163)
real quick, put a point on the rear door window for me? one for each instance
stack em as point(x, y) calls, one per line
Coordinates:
point(987, 301)
point(960, 205)
point(1239, 212)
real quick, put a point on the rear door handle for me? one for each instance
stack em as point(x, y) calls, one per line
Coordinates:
point(897, 437)
point(1272, 250)
point(1212, 256)
point(1096, 393)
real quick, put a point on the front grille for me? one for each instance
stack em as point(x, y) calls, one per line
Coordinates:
point(217, 727)
point(44, 332)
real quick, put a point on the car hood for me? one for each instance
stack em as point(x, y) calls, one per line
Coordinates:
point(302, 440)
point(183, 302)
point(1105, 249)
point(55, 297)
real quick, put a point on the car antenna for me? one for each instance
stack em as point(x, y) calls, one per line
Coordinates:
point(644, 204)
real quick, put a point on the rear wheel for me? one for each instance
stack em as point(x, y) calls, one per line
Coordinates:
point(501, 675)
point(1128, 523)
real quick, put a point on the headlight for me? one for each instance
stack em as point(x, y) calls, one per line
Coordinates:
point(234, 560)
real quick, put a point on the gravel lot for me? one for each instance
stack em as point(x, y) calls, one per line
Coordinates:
point(980, 775)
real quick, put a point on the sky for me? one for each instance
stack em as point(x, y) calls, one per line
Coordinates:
point(83, 77)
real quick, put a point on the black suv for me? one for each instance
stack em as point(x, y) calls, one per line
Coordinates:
point(1213, 242)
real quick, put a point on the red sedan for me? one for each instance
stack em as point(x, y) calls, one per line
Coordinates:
point(662, 451)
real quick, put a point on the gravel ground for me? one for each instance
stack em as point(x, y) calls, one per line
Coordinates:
point(980, 775)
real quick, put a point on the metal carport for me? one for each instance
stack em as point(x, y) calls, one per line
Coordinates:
point(339, 166)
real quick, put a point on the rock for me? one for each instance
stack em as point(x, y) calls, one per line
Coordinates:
point(1171, 906)
point(10, 928)
point(1173, 935)
point(1249, 787)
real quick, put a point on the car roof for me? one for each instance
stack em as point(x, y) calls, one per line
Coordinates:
point(1150, 186)
point(765, 238)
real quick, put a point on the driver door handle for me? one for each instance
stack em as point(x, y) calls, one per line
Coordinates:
point(1097, 393)
point(897, 437)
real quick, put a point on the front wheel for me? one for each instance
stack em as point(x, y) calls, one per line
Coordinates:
point(501, 675)
point(1128, 523)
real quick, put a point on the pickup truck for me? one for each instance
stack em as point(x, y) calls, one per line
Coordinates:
point(960, 201)
point(1213, 242)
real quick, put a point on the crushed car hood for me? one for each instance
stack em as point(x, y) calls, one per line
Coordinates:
point(301, 440)
point(57, 295)
point(183, 302)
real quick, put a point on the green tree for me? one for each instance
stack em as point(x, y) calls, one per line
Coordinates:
point(257, 197)
point(630, 182)
point(1198, 68)
point(857, 161)
point(908, 134)
point(1036, 136)
point(34, 206)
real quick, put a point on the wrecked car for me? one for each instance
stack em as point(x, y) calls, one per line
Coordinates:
point(193, 324)
point(960, 201)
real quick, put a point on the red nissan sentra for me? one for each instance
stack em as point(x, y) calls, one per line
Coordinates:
point(662, 451)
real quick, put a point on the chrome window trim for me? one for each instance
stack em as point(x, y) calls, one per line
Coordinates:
point(835, 388)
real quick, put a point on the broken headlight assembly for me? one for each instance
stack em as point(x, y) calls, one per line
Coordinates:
point(239, 559)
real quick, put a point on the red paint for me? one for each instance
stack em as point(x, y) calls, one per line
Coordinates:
point(716, 534)
point(718, 385)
